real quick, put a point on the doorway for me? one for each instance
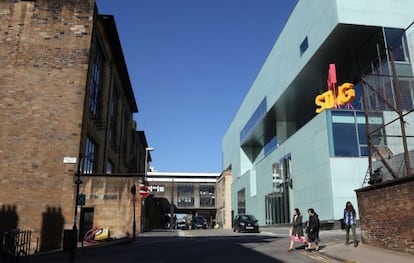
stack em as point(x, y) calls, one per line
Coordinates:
point(86, 221)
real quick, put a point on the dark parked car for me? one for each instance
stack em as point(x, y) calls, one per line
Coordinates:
point(245, 223)
point(199, 222)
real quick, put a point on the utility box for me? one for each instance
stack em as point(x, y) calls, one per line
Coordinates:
point(69, 238)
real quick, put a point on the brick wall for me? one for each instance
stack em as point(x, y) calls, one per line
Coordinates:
point(44, 53)
point(387, 214)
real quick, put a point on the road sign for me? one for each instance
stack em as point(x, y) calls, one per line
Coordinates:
point(81, 199)
point(143, 191)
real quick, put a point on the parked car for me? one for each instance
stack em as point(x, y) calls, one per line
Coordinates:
point(181, 224)
point(245, 223)
point(199, 222)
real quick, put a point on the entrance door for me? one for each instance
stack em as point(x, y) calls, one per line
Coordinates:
point(86, 221)
point(277, 208)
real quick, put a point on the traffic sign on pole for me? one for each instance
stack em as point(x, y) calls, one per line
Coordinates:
point(144, 191)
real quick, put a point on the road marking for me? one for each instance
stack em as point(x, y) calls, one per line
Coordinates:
point(268, 233)
point(320, 258)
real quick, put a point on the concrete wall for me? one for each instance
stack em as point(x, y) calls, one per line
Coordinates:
point(387, 213)
point(387, 13)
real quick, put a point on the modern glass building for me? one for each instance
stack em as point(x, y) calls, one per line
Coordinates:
point(282, 153)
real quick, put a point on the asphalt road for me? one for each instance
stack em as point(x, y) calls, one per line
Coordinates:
point(195, 246)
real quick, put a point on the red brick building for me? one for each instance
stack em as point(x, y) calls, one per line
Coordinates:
point(66, 109)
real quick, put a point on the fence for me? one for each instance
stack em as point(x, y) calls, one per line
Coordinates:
point(15, 246)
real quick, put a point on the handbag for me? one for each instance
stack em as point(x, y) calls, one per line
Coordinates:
point(342, 223)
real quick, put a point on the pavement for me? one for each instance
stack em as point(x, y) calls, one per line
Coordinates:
point(339, 251)
point(335, 250)
point(363, 254)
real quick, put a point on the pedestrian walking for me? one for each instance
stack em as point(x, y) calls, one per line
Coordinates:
point(350, 223)
point(312, 230)
point(296, 231)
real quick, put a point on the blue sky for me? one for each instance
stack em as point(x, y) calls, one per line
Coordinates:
point(191, 63)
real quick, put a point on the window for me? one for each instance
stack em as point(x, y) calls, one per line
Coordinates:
point(349, 133)
point(358, 102)
point(407, 89)
point(95, 80)
point(345, 139)
point(256, 117)
point(362, 139)
point(89, 159)
point(157, 188)
point(185, 195)
point(125, 130)
point(113, 112)
point(396, 41)
point(303, 46)
point(241, 202)
point(207, 195)
point(109, 167)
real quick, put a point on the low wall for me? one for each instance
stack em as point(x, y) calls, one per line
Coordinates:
point(387, 214)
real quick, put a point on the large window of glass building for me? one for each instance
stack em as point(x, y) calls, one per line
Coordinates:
point(185, 195)
point(349, 133)
point(396, 41)
point(207, 195)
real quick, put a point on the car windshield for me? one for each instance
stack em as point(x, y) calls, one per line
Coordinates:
point(248, 217)
point(198, 219)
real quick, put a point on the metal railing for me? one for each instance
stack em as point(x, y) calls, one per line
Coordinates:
point(15, 246)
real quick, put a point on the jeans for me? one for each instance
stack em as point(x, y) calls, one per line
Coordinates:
point(354, 235)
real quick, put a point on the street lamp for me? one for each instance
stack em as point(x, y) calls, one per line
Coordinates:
point(134, 223)
point(172, 226)
point(147, 150)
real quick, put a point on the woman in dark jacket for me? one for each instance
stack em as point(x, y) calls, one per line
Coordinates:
point(296, 234)
point(313, 229)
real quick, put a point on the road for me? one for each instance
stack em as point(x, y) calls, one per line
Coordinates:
point(197, 246)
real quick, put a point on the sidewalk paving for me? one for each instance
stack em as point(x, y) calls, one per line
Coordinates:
point(339, 251)
point(363, 254)
point(335, 250)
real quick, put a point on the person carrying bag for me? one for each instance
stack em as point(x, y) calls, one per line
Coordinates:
point(296, 231)
point(350, 223)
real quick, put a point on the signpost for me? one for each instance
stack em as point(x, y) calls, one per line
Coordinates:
point(144, 191)
point(134, 223)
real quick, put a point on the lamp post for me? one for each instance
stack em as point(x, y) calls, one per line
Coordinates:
point(134, 224)
point(172, 225)
point(78, 182)
point(147, 150)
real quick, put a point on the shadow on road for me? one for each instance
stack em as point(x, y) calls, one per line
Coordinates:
point(240, 249)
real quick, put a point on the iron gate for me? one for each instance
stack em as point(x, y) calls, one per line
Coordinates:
point(15, 246)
